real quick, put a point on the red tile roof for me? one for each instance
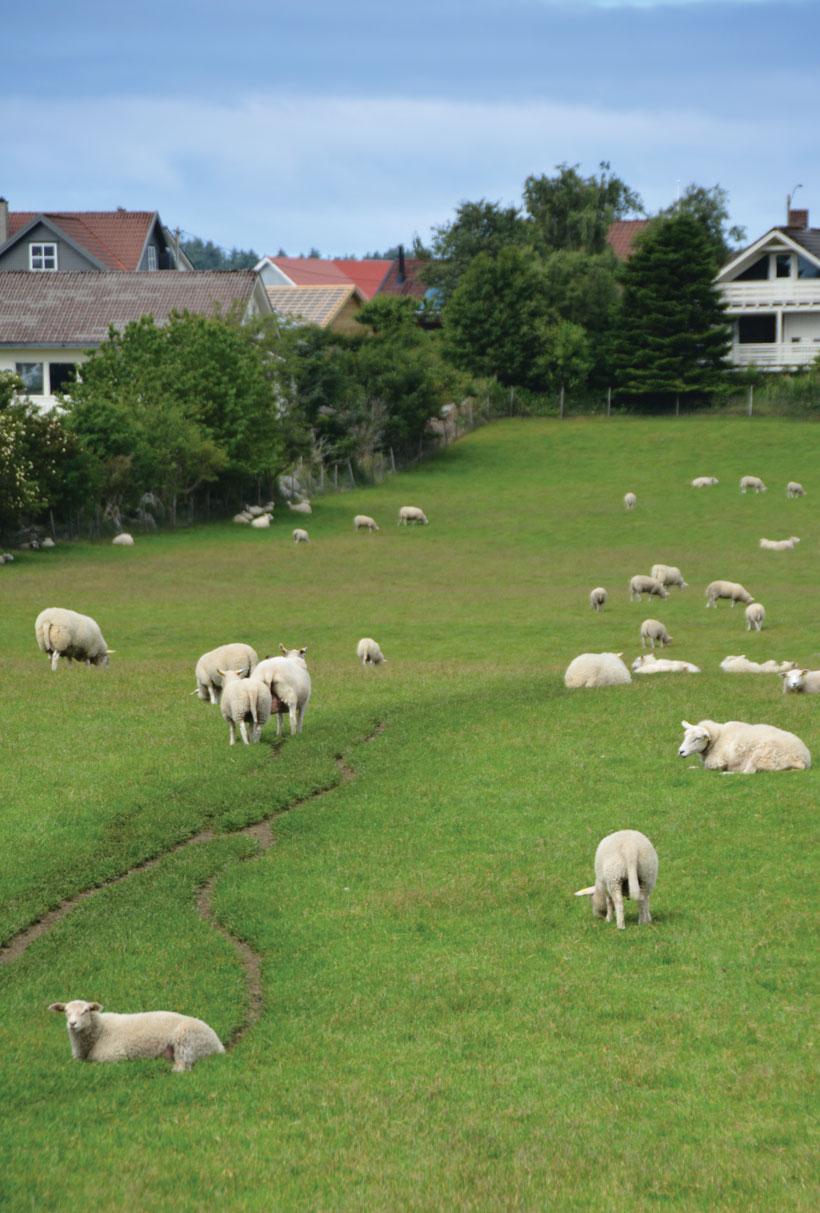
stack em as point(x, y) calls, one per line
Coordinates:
point(116, 238)
point(622, 234)
point(412, 285)
point(311, 271)
point(368, 274)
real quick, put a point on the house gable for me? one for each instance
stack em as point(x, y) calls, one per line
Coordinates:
point(776, 240)
point(90, 240)
point(40, 229)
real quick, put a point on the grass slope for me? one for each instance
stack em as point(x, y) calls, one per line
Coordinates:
point(444, 1024)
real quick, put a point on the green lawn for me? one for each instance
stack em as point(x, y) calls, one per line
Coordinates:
point(444, 1025)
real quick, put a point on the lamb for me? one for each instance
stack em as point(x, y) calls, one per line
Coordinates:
point(630, 501)
point(702, 482)
point(239, 657)
point(288, 681)
point(727, 589)
point(261, 521)
point(801, 681)
point(755, 614)
point(646, 585)
point(650, 664)
point(742, 749)
point(626, 865)
point(300, 507)
point(779, 545)
point(597, 598)
point(795, 489)
point(67, 634)
point(369, 652)
point(752, 482)
point(741, 665)
point(669, 574)
point(300, 535)
point(245, 701)
point(652, 630)
point(593, 670)
point(363, 522)
point(98, 1035)
point(412, 513)
point(123, 540)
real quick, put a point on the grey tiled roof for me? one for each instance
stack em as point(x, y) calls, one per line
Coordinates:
point(808, 237)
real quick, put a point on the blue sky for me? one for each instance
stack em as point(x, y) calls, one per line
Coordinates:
point(352, 126)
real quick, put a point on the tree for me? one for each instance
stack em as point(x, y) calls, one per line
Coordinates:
point(572, 212)
point(479, 227)
point(566, 356)
point(710, 208)
point(205, 255)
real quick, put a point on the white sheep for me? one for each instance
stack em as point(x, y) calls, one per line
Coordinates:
point(597, 598)
point(646, 585)
point(123, 540)
point(369, 652)
point(242, 517)
point(74, 637)
point(752, 482)
point(411, 513)
point(245, 701)
point(6, 558)
point(288, 681)
point(596, 670)
point(300, 507)
point(300, 535)
point(650, 664)
point(702, 482)
point(239, 657)
point(741, 749)
point(779, 545)
point(653, 631)
point(48, 542)
point(626, 865)
point(630, 501)
point(755, 615)
point(669, 574)
point(741, 665)
point(261, 522)
point(795, 489)
point(726, 589)
point(98, 1035)
point(801, 681)
point(363, 522)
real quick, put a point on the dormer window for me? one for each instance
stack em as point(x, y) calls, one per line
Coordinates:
point(152, 257)
point(42, 257)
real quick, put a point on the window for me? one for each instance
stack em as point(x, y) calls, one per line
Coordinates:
point(757, 271)
point(32, 375)
point(807, 269)
point(152, 257)
point(42, 256)
point(756, 330)
point(61, 375)
point(783, 263)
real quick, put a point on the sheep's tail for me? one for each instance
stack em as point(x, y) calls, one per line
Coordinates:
point(47, 636)
point(632, 873)
point(254, 698)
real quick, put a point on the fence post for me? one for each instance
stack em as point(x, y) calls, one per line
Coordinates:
point(677, 406)
point(392, 460)
point(751, 400)
point(608, 401)
point(350, 470)
point(336, 477)
point(561, 403)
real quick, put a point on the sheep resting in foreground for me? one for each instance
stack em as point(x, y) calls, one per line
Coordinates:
point(653, 631)
point(593, 670)
point(288, 681)
point(363, 522)
point(801, 681)
point(245, 701)
point(239, 657)
point(726, 589)
point(123, 540)
point(98, 1035)
point(650, 664)
point(779, 545)
point(630, 501)
point(795, 489)
point(411, 513)
point(669, 574)
point(741, 665)
point(739, 748)
point(755, 614)
point(300, 535)
point(752, 482)
point(369, 652)
point(597, 598)
point(626, 865)
point(74, 637)
point(702, 482)
point(646, 585)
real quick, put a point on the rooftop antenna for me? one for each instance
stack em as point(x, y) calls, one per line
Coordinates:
point(789, 200)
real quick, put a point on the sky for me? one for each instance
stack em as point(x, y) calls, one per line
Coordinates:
point(351, 127)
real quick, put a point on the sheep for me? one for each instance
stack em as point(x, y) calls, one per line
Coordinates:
point(630, 501)
point(795, 489)
point(742, 749)
point(67, 634)
point(288, 681)
point(363, 522)
point(242, 517)
point(597, 598)
point(652, 630)
point(646, 585)
point(752, 482)
point(239, 657)
point(779, 545)
point(123, 540)
point(726, 589)
point(245, 701)
point(596, 670)
point(6, 558)
point(300, 535)
point(48, 542)
point(255, 511)
point(300, 507)
point(412, 513)
point(801, 681)
point(369, 652)
point(741, 665)
point(755, 614)
point(261, 522)
point(669, 574)
point(97, 1035)
point(650, 664)
point(626, 865)
point(702, 482)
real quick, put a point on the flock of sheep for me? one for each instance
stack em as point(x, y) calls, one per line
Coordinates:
point(261, 516)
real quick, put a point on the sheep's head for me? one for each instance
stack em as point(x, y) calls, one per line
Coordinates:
point(642, 661)
point(696, 739)
point(793, 680)
point(598, 899)
point(294, 654)
point(78, 1013)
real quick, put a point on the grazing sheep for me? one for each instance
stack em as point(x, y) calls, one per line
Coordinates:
point(626, 865)
point(650, 664)
point(646, 585)
point(67, 634)
point(726, 589)
point(752, 482)
point(755, 614)
point(245, 701)
point(630, 501)
point(300, 507)
point(239, 657)
point(801, 681)
point(669, 574)
point(300, 535)
point(596, 670)
point(369, 652)
point(795, 489)
point(741, 665)
point(261, 522)
point(411, 513)
point(96, 1035)
point(363, 522)
point(779, 545)
point(123, 540)
point(597, 598)
point(702, 482)
point(741, 749)
point(288, 681)
point(652, 630)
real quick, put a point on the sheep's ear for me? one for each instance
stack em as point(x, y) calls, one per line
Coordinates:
point(619, 654)
point(221, 673)
point(586, 892)
point(687, 725)
point(282, 649)
point(783, 673)
point(110, 651)
point(57, 1006)
point(95, 1006)
point(303, 651)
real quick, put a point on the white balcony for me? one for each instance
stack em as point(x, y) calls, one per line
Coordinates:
point(775, 356)
point(791, 293)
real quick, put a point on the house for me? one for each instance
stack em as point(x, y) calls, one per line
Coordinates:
point(105, 241)
point(622, 234)
point(366, 275)
point(50, 322)
point(330, 307)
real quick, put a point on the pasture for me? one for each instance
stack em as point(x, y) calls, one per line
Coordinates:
point(435, 1021)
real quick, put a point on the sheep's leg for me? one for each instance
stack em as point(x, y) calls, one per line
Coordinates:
point(643, 910)
point(301, 717)
point(608, 908)
point(212, 693)
point(231, 733)
point(617, 897)
point(55, 657)
point(278, 724)
point(243, 730)
point(292, 716)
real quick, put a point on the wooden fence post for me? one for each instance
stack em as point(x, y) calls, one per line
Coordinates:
point(561, 403)
point(608, 401)
point(751, 400)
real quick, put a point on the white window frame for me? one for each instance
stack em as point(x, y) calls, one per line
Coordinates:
point(43, 381)
point(42, 251)
point(152, 257)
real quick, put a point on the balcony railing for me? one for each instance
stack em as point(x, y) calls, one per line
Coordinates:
point(775, 293)
point(775, 356)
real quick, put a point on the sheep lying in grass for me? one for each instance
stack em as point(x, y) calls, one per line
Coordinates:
point(363, 522)
point(261, 522)
point(653, 631)
point(597, 598)
point(650, 664)
point(669, 574)
point(630, 501)
point(801, 681)
point(411, 513)
point(755, 614)
point(124, 540)
point(74, 637)
point(288, 681)
point(646, 585)
point(6, 558)
point(779, 545)
point(726, 589)
point(239, 657)
point(752, 482)
point(626, 865)
point(795, 489)
point(300, 507)
point(741, 749)
point(98, 1035)
point(300, 535)
point(369, 652)
point(242, 517)
point(741, 665)
point(596, 670)
point(245, 701)
point(702, 482)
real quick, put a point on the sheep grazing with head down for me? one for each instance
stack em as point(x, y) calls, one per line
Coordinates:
point(639, 585)
point(363, 522)
point(752, 482)
point(369, 652)
point(626, 865)
point(411, 513)
point(597, 598)
point(727, 589)
point(300, 535)
point(669, 574)
point(702, 482)
point(801, 682)
point(630, 501)
point(739, 748)
point(795, 489)
point(98, 1035)
point(755, 615)
point(653, 632)
point(74, 637)
point(592, 670)
point(245, 701)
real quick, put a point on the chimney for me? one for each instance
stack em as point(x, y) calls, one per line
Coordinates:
point(402, 273)
point(4, 221)
point(799, 219)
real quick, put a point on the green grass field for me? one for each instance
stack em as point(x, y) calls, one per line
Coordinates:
point(443, 1025)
